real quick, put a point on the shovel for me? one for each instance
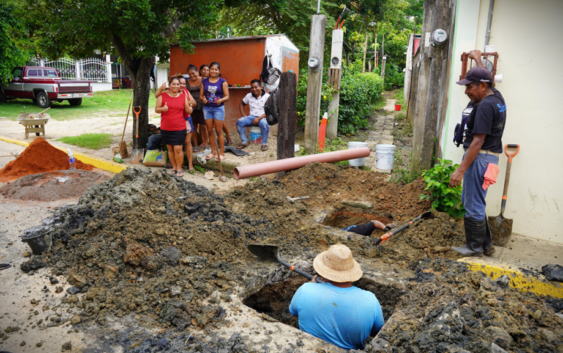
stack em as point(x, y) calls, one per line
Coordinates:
point(136, 154)
point(501, 228)
point(270, 253)
point(388, 235)
point(122, 145)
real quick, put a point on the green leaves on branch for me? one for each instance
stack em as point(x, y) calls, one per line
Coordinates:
point(11, 52)
point(358, 93)
point(444, 198)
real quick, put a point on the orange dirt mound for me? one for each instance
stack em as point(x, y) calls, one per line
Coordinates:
point(38, 157)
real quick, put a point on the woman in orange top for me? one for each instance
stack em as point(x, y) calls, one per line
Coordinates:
point(173, 106)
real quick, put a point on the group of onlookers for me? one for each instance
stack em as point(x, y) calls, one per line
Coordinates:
point(192, 109)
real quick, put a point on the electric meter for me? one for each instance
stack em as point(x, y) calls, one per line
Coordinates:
point(439, 37)
point(313, 63)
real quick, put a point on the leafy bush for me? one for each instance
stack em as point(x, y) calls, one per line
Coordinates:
point(358, 93)
point(444, 198)
point(394, 76)
point(326, 96)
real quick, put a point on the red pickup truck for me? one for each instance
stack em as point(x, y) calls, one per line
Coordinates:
point(44, 85)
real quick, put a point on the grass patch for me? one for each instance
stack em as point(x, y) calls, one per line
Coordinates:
point(92, 141)
point(381, 102)
point(114, 103)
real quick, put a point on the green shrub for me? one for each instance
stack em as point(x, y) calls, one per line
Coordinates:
point(326, 96)
point(444, 198)
point(358, 95)
point(394, 76)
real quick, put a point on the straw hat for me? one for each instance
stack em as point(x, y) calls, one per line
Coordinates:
point(336, 264)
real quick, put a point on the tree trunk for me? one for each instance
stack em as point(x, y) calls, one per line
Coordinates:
point(141, 92)
point(140, 71)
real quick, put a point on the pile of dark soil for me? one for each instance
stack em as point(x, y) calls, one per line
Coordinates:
point(451, 309)
point(154, 244)
point(329, 184)
point(62, 184)
point(427, 238)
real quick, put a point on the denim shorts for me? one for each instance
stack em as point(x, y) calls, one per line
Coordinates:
point(215, 113)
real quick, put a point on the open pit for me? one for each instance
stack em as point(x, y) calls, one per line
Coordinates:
point(171, 256)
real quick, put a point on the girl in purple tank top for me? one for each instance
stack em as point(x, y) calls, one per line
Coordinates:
point(214, 92)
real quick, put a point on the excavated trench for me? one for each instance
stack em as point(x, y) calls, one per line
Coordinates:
point(274, 300)
point(345, 217)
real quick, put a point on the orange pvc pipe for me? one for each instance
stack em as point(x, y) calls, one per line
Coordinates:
point(247, 171)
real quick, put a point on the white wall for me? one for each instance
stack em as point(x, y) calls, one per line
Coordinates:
point(527, 36)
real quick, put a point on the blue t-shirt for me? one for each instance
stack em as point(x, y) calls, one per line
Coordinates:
point(344, 317)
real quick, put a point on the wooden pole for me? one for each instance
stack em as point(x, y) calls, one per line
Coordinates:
point(365, 52)
point(314, 82)
point(287, 105)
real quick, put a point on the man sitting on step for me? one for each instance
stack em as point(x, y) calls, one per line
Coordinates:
point(256, 99)
point(336, 311)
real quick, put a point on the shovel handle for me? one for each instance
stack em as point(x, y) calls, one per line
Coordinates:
point(298, 271)
point(507, 177)
point(511, 155)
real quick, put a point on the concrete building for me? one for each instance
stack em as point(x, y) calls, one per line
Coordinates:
point(526, 35)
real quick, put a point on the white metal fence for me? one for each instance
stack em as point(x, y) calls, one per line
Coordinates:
point(91, 69)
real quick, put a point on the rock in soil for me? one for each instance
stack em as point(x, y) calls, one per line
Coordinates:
point(553, 272)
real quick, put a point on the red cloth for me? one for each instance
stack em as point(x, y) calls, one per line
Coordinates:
point(491, 175)
point(173, 119)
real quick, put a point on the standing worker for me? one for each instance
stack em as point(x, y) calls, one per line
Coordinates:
point(482, 145)
point(214, 93)
point(335, 311)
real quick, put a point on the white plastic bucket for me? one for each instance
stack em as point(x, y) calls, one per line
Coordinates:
point(358, 162)
point(385, 156)
point(255, 135)
point(296, 148)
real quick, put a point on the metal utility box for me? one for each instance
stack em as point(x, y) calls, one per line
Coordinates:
point(241, 61)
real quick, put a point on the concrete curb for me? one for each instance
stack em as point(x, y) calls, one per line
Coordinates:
point(84, 158)
point(519, 280)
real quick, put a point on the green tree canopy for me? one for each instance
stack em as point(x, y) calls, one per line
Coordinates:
point(12, 51)
point(138, 30)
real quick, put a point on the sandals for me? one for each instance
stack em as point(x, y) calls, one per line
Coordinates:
point(264, 148)
point(172, 172)
point(195, 149)
point(229, 142)
point(242, 146)
point(222, 158)
point(179, 174)
point(191, 171)
point(210, 156)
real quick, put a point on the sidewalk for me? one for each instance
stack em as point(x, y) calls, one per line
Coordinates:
point(383, 134)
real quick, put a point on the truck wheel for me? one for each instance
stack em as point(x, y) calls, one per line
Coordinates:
point(75, 102)
point(43, 100)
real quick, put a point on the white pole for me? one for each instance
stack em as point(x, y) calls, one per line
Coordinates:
point(336, 52)
point(318, 6)
point(108, 68)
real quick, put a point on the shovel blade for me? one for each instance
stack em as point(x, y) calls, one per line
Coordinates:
point(264, 252)
point(501, 229)
point(123, 150)
point(136, 156)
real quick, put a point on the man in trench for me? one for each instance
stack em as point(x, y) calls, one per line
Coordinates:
point(482, 145)
point(336, 311)
point(368, 227)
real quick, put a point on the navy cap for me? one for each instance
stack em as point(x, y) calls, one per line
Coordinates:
point(476, 74)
